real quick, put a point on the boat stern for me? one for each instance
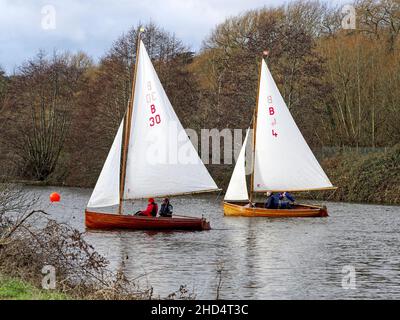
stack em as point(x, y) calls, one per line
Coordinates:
point(205, 225)
point(86, 219)
point(324, 212)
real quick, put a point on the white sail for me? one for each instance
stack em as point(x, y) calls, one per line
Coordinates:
point(106, 191)
point(283, 160)
point(161, 159)
point(237, 188)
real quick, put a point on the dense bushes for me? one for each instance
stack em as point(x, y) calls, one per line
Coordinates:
point(373, 177)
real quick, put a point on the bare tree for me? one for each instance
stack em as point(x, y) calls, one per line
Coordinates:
point(42, 95)
point(380, 18)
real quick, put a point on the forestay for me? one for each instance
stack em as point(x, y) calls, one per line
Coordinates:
point(283, 160)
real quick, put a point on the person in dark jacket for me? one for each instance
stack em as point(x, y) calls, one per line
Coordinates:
point(166, 209)
point(286, 200)
point(151, 210)
point(279, 200)
point(272, 201)
point(286, 196)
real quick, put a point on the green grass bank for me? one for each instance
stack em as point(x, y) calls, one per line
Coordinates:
point(16, 289)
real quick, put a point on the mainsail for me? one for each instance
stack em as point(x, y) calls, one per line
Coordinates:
point(161, 159)
point(283, 160)
point(237, 188)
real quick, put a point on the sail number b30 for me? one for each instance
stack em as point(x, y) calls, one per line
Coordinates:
point(155, 118)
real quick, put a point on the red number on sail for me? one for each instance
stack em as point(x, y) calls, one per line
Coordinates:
point(155, 120)
point(275, 134)
point(153, 109)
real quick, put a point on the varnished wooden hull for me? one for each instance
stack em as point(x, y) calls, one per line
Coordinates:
point(95, 220)
point(298, 211)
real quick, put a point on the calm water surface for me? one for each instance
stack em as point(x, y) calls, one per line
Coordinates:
point(261, 258)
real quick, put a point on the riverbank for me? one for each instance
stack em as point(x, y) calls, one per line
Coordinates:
point(17, 289)
point(364, 178)
point(32, 239)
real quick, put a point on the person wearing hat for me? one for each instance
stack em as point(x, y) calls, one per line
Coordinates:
point(166, 209)
point(151, 210)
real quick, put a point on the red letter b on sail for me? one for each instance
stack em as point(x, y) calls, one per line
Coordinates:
point(271, 111)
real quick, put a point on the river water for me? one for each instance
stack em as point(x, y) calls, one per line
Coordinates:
point(258, 258)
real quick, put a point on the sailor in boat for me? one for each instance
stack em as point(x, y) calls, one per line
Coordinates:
point(272, 201)
point(282, 200)
point(151, 210)
point(286, 200)
point(166, 209)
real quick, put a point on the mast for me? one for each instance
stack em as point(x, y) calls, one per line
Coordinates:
point(127, 128)
point(254, 133)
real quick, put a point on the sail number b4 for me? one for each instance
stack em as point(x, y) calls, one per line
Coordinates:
point(272, 112)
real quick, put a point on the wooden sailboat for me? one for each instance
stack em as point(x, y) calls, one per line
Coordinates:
point(151, 157)
point(281, 160)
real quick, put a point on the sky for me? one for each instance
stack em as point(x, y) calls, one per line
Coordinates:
point(93, 25)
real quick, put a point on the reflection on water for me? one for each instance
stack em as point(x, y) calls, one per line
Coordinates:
point(262, 258)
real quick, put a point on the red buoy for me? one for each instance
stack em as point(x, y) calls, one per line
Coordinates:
point(55, 197)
